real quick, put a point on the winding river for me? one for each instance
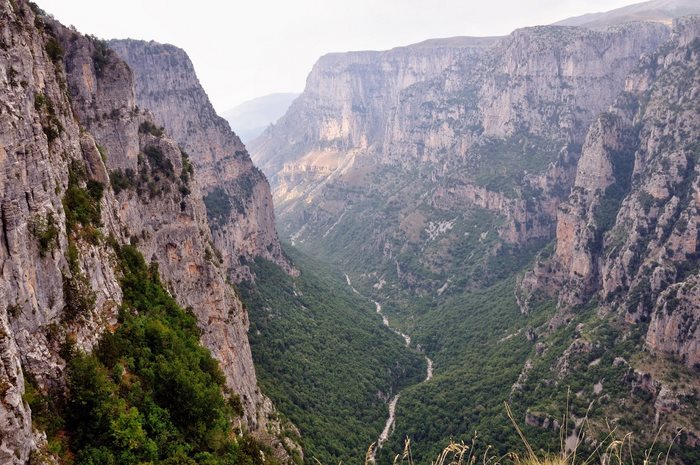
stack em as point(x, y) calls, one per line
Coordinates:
point(389, 425)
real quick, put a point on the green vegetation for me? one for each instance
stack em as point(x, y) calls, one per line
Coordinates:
point(100, 55)
point(51, 125)
point(606, 211)
point(323, 356)
point(147, 127)
point(81, 203)
point(34, 7)
point(77, 292)
point(45, 230)
point(54, 50)
point(150, 393)
point(499, 165)
point(473, 328)
point(476, 363)
point(122, 180)
point(155, 173)
point(218, 206)
point(187, 168)
point(159, 162)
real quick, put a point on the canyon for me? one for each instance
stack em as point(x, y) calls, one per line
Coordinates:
point(554, 165)
point(448, 226)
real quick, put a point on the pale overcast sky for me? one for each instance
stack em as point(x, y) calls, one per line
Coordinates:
point(246, 49)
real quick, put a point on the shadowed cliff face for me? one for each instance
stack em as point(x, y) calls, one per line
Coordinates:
point(629, 230)
point(73, 144)
point(237, 194)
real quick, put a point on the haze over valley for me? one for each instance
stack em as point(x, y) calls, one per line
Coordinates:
point(460, 248)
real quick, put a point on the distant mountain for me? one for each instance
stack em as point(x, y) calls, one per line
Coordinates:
point(655, 10)
point(249, 119)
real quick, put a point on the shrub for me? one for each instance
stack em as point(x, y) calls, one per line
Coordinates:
point(77, 293)
point(82, 204)
point(159, 162)
point(218, 206)
point(187, 169)
point(54, 50)
point(122, 180)
point(51, 125)
point(147, 127)
point(150, 392)
point(100, 55)
point(45, 230)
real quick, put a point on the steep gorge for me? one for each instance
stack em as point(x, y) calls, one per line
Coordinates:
point(496, 125)
point(436, 174)
point(569, 146)
point(628, 231)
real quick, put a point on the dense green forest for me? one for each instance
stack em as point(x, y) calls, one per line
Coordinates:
point(323, 356)
point(487, 353)
point(149, 393)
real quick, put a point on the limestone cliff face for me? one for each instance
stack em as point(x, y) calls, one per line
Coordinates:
point(471, 124)
point(629, 230)
point(167, 85)
point(349, 98)
point(548, 81)
point(39, 138)
point(69, 118)
point(162, 210)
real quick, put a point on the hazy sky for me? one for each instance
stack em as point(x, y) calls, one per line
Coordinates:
point(245, 49)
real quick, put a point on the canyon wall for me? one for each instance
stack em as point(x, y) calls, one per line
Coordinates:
point(629, 231)
point(237, 194)
point(71, 132)
point(491, 124)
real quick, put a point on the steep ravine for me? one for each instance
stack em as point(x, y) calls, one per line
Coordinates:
point(389, 425)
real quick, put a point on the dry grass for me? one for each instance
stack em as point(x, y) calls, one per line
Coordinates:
point(610, 451)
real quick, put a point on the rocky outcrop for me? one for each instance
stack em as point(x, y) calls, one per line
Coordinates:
point(349, 98)
point(675, 322)
point(236, 192)
point(70, 122)
point(629, 231)
point(162, 209)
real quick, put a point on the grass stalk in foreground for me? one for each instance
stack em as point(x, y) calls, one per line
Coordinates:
point(610, 451)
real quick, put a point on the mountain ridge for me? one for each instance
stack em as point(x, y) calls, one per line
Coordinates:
point(654, 10)
point(104, 227)
point(240, 206)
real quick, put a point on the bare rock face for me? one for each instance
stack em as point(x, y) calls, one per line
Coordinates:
point(39, 140)
point(675, 323)
point(69, 117)
point(243, 225)
point(444, 131)
point(348, 100)
point(162, 209)
point(629, 230)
